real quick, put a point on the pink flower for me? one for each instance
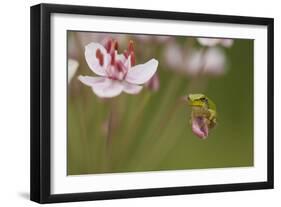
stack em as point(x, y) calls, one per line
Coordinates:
point(210, 62)
point(116, 72)
point(215, 41)
point(200, 127)
point(174, 55)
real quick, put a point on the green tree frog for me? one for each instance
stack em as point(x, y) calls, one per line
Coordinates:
point(203, 114)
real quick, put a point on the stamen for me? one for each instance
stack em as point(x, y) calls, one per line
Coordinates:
point(99, 56)
point(111, 45)
point(119, 65)
point(108, 45)
point(131, 46)
point(131, 52)
point(112, 54)
point(133, 58)
point(115, 45)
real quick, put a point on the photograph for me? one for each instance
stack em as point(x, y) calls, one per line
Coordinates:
point(129, 103)
point(149, 102)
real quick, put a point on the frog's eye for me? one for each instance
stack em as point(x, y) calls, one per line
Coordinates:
point(203, 99)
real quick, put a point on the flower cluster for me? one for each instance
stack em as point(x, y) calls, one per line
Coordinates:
point(210, 60)
point(210, 42)
point(117, 73)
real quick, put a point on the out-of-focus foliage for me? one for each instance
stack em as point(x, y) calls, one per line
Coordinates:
point(151, 130)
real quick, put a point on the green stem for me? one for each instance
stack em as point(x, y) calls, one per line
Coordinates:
point(160, 135)
point(129, 135)
point(137, 117)
point(111, 127)
point(156, 117)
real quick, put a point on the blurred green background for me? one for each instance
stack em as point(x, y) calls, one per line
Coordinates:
point(151, 131)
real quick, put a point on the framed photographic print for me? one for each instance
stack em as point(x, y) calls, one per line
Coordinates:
point(132, 103)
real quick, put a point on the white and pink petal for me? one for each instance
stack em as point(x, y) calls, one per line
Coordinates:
point(141, 73)
point(90, 80)
point(108, 88)
point(227, 42)
point(131, 88)
point(208, 41)
point(92, 60)
point(102, 87)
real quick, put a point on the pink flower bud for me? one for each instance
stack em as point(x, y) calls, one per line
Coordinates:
point(154, 83)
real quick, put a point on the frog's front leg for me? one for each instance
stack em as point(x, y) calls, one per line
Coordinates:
point(212, 114)
point(212, 118)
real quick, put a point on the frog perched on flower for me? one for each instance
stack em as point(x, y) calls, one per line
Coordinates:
point(117, 73)
point(203, 114)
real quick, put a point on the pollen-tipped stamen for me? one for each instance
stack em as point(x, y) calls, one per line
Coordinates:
point(108, 45)
point(133, 58)
point(131, 46)
point(113, 57)
point(115, 45)
point(131, 52)
point(99, 56)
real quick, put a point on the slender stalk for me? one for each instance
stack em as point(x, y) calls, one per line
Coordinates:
point(130, 133)
point(111, 126)
point(109, 129)
point(198, 83)
point(169, 115)
point(112, 121)
point(137, 116)
point(156, 118)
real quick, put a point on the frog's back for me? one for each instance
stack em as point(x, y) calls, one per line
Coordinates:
point(212, 105)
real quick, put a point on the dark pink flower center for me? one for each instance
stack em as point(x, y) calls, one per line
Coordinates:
point(117, 70)
point(111, 45)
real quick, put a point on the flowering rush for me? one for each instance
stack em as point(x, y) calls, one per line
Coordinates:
point(210, 42)
point(117, 73)
point(210, 61)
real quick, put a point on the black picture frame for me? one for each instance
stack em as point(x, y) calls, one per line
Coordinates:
point(40, 175)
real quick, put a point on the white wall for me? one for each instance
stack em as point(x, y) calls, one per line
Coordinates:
point(14, 101)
